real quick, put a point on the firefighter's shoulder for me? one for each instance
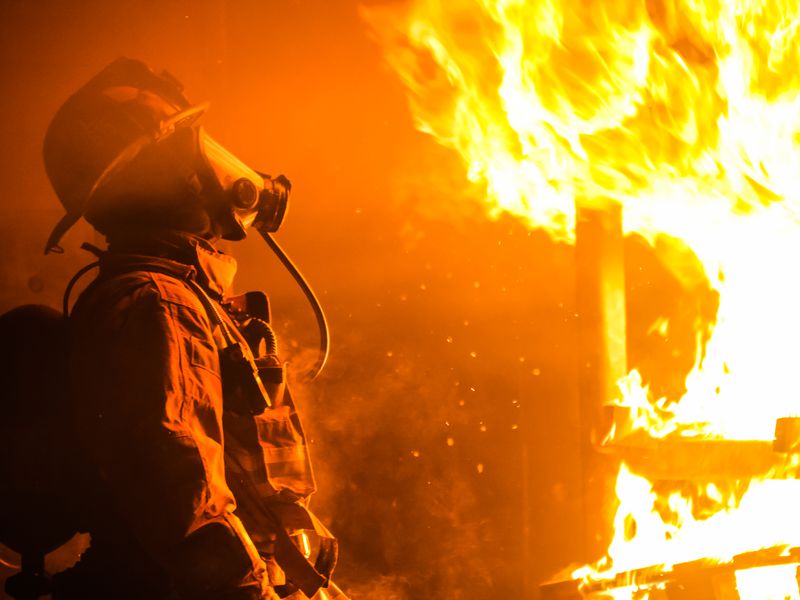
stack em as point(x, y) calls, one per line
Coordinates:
point(121, 286)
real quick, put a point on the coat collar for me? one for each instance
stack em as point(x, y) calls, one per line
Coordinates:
point(184, 254)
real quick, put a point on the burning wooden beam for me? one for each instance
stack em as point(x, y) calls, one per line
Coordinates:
point(787, 435)
point(600, 273)
point(702, 458)
point(698, 459)
point(696, 580)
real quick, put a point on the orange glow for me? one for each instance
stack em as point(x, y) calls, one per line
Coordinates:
point(687, 113)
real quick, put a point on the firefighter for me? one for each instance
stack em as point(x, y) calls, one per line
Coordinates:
point(199, 471)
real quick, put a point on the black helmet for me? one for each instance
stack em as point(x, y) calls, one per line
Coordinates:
point(128, 116)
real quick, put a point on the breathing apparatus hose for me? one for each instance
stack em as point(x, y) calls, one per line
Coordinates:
point(71, 285)
point(322, 322)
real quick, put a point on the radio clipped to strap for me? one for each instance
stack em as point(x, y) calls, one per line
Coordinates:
point(242, 388)
point(251, 313)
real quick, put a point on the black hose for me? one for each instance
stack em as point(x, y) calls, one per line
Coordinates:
point(71, 285)
point(322, 322)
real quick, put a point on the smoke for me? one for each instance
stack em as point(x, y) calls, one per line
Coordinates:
point(382, 587)
point(390, 484)
point(441, 429)
point(444, 430)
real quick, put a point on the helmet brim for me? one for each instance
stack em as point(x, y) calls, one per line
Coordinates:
point(180, 120)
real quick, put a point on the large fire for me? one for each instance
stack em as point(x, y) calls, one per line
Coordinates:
point(688, 114)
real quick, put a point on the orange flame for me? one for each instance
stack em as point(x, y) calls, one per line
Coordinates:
point(686, 112)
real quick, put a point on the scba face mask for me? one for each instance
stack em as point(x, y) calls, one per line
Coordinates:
point(253, 199)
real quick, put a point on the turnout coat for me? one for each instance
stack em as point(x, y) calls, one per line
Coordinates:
point(185, 498)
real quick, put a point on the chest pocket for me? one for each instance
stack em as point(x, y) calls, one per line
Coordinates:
point(204, 355)
point(284, 446)
point(270, 449)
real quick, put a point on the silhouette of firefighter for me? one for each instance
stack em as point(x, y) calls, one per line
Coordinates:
point(194, 470)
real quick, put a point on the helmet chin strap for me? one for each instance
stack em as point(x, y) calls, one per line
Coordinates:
point(324, 331)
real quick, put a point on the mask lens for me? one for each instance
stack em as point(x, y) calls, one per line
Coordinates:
point(245, 194)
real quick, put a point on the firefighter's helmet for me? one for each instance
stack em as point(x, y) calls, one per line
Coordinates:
point(130, 137)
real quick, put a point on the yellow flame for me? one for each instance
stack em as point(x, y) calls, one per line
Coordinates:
point(768, 583)
point(687, 112)
point(735, 528)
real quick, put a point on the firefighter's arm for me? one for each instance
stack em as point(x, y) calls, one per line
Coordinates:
point(163, 460)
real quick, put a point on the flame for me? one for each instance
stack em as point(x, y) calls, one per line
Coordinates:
point(686, 112)
point(648, 538)
point(768, 583)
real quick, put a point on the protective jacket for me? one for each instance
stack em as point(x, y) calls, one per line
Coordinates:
point(189, 499)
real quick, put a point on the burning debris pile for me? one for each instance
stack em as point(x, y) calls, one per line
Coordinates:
point(683, 116)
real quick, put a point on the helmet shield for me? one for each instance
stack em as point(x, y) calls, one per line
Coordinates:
point(253, 198)
point(239, 183)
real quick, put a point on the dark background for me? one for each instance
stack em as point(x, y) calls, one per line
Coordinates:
point(445, 427)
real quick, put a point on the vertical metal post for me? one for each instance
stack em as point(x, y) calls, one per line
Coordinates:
point(600, 271)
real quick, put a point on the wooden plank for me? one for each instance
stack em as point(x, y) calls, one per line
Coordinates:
point(696, 580)
point(687, 459)
point(560, 590)
point(676, 458)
